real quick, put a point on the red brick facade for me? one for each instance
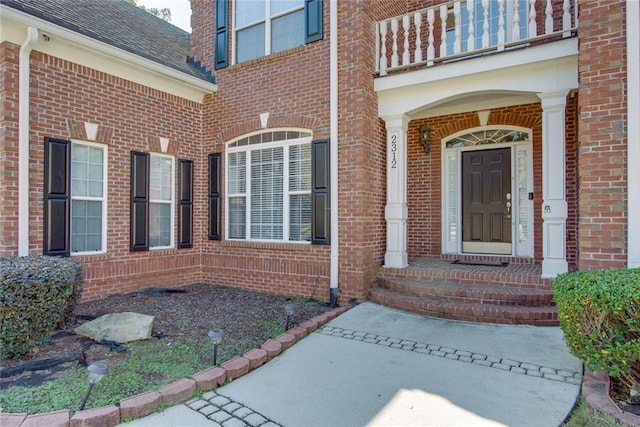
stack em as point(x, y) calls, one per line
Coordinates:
point(8, 149)
point(602, 147)
point(130, 117)
point(293, 87)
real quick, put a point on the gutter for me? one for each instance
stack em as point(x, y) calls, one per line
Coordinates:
point(334, 290)
point(23, 140)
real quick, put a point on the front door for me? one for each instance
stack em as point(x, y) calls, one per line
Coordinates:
point(486, 201)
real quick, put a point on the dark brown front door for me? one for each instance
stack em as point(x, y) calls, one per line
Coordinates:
point(486, 201)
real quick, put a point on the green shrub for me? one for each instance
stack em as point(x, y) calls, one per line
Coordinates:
point(37, 296)
point(599, 314)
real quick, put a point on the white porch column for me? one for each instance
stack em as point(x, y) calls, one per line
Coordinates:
point(554, 205)
point(396, 209)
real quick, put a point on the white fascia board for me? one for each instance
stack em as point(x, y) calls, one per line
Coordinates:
point(83, 50)
point(537, 77)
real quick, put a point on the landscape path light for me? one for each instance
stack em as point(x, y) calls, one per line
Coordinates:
point(216, 336)
point(96, 372)
point(288, 309)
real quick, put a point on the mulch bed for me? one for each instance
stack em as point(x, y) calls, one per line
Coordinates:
point(185, 313)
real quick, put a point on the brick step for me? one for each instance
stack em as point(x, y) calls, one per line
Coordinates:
point(516, 275)
point(471, 312)
point(465, 293)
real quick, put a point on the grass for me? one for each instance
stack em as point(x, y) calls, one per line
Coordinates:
point(274, 329)
point(141, 371)
point(584, 415)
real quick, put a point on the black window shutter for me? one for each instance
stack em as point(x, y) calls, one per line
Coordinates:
point(221, 42)
point(139, 231)
point(321, 207)
point(215, 209)
point(57, 197)
point(312, 20)
point(185, 203)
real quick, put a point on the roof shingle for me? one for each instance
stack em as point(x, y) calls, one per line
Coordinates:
point(119, 24)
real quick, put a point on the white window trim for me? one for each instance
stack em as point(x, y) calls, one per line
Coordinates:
point(286, 193)
point(170, 202)
point(267, 24)
point(103, 199)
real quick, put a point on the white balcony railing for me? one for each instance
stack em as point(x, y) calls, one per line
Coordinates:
point(462, 28)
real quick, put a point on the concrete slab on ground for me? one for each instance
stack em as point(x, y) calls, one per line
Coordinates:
point(377, 366)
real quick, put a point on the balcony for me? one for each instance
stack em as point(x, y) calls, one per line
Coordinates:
point(464, 29)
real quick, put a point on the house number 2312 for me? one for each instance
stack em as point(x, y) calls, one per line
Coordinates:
point(394, 149)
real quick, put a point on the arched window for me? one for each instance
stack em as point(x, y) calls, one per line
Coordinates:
point(488, 136)
point(269, 194)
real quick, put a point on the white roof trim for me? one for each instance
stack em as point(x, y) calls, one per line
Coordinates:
point(83, 50)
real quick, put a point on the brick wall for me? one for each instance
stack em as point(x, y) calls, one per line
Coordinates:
point(8, 149)
point(602, 158)
point(130, 117)
point(293, 87)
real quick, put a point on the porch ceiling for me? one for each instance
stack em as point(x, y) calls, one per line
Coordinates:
point(499, 80)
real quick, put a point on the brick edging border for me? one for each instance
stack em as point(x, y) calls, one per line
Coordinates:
point(595, 389)
point(178, 391)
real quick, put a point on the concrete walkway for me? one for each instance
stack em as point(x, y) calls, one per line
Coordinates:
point(381, 367)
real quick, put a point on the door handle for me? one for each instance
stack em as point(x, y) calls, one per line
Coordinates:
point(508, 204)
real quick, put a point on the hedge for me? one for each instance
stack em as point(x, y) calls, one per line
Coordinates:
point(599, 313)
point(37, 296)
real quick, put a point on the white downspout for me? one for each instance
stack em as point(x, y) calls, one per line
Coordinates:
point(333, 149)
point(23, 140)
point(633, 134)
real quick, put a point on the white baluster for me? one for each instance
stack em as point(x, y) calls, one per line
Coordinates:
point(405, 50)
point(566, 18)
point(443, 33)
point(383, 48)
point(501, 31)
point(457, 15)
point(485, 23)
point(394, 43)
point(548, 20)
point(431, 51)
point(471, 40)
point(417, 21)
point(533, 25)
point(515, 28)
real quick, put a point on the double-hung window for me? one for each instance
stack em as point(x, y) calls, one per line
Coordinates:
point(268, 26)
point(75, 197)
point(88, 197)
point(262, 27)
point(269, 195)
point(161, 201)
point(152, 201)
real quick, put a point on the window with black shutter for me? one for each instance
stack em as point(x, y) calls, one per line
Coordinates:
point(57, 197)
point(321, 226)
point(185, 203)
point(214, 193)
point(75, 197)
point(139, 227)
